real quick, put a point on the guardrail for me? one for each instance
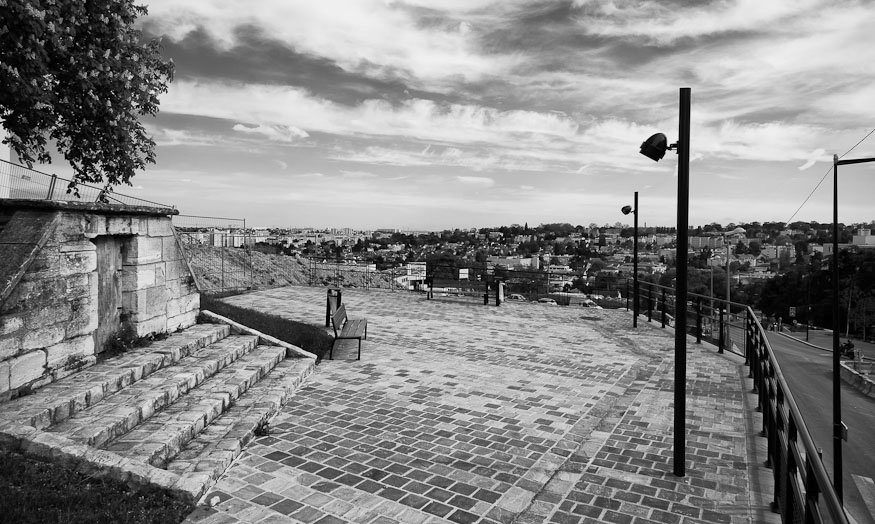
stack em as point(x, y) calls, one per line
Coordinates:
point(20, 182)
point(802, 489)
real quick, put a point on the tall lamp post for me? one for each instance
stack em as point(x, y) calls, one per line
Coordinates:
point(655, 148)
point(626, 210)
point(840, 431)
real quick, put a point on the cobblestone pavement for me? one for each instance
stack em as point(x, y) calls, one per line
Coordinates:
point(524, 413)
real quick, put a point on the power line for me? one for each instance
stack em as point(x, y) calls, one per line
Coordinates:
point(825, 175)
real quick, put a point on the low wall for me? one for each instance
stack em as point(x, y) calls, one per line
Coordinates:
point(862, 382)
point(73, 275)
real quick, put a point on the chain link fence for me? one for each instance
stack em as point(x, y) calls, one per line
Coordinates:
point(219, 251)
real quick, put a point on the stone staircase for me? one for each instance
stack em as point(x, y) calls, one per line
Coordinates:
point(174, 414)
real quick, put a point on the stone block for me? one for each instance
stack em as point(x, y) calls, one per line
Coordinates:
point(29, 295)
point(4, 377)
point(26, 368)
point(78, 262)
point(145, 303)
point(150, 326)
point(9, 346)
point(72, 367)
point(159, 227)
point(46, 264)
point(171, 249)
point(83, 320)
point(61, 352)
point(184, 320)
point(176, 269)
point(94, 225)
point(43, 337)
point(184, 304)
point(75, 246)
point(48, 314)
point(143, 250)
point(122, 225)
point(10, 324)
point(71, 227)
point(140, 276)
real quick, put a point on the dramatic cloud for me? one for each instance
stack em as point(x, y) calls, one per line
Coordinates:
point(545, 103)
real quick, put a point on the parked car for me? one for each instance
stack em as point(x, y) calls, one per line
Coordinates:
point(548, 301)
point(517, 296)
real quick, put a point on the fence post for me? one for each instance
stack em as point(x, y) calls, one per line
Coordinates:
point(722, 339)
point(662, 307)
point(650, 304)
point(698, 320)
point(222, 272)
point(52, 187)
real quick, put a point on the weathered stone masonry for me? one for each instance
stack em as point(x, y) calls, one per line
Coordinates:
point(72, 274)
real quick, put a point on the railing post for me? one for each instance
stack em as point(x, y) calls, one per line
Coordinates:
point(650, 304)
point(662, 307)
point(698, 320)
point(747, 329)
point(722, 339)
point(52, 187)
point(627, 294)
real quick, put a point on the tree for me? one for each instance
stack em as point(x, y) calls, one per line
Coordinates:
point(78, 74)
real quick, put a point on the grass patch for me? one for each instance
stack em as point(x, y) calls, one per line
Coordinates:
point(34, 491)
point(306, 336)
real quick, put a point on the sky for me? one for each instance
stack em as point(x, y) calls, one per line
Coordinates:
point(434, 114)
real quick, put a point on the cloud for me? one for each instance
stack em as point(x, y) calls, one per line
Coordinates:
point(476, 181)
point(816, 155)
point(281, 164)
point(351, 33)
point(276, 133)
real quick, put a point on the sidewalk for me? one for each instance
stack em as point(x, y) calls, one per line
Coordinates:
point(524, 413)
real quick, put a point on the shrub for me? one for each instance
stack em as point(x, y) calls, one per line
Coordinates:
point(306, 336)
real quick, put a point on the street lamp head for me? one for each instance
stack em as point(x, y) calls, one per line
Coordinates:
point(655, 147)
point(626, 210)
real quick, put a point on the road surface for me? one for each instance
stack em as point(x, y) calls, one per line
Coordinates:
point(808, 372)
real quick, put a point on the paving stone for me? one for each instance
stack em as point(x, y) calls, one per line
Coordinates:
point(520, 413)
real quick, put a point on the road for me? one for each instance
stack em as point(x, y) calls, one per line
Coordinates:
point(808, 372)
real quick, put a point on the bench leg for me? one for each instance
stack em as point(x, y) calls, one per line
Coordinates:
point(331, 351)
point(360, 350)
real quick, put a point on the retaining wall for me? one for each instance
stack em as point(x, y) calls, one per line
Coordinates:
point(72, 275)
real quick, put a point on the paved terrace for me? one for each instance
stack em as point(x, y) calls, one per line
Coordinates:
point(524, 413)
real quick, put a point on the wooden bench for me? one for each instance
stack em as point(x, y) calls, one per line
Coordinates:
point(345, 328)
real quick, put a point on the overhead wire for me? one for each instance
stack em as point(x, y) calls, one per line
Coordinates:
point(825, 175)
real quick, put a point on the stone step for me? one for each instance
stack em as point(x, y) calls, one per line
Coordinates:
point(59, 400)
point(119, 413)
point(209, 454)
point(162, 436)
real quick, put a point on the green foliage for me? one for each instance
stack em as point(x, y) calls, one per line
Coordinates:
point(78, 73)
point(33, 491)
point(306, 336)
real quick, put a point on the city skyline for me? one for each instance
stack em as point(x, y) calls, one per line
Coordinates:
point(436, 115)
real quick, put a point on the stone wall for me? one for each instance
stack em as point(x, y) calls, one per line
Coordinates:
point(50, 314)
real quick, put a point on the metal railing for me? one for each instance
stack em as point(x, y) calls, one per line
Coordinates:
point(20, 182)
point(802, 489)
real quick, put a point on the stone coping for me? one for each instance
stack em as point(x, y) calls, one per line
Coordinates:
point(92, 207)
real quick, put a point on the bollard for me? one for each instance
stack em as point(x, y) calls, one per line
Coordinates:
point(333, 293)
